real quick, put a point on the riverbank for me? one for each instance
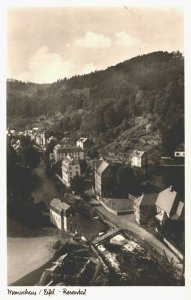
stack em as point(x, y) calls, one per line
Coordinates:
point(25, 255)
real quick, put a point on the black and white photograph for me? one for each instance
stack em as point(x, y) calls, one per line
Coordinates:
point(95, 146)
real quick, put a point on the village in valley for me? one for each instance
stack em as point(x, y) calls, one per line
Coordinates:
point(131, 230)
point(95, 140)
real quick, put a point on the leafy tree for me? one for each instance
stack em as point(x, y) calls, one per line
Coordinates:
point(172, 136)
point(77, 185)
point(83, 166)
point(93, 153)
point(98, 124)
point(32, 158)
point(111, 119)
point(152, 83)
point(126, 181)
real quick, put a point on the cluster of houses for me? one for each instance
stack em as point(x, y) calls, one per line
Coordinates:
point(69, 156)
point(62, 150)
point(19, 144)
point(70, 269)
point(163, 206)
point(106, 169)
point(168, 204)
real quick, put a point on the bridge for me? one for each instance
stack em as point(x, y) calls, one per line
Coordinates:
point(101, 239)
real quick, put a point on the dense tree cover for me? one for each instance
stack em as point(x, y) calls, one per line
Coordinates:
point(77, 185)
point(126, 182)
point(100, 101)
point(21, 181)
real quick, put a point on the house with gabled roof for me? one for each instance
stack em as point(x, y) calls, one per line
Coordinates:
point(70, 169)
point(145, 208)
point(139, 159)
point(39, 139)
point(62, 215)
point(105, 178)
point(85, 143)
point(170, 205)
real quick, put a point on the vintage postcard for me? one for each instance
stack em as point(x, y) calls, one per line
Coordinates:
point(96, 137)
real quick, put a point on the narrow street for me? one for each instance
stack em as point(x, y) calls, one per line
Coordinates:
point(128, 222)
point(48, 190)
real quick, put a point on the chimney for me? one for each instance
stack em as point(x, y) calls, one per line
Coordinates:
point(171, 189)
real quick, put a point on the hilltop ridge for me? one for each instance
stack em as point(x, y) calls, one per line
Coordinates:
point(108, 104)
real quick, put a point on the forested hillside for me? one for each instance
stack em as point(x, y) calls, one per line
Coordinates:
point(107, 104)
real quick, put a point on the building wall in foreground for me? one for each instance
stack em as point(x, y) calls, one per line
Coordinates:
point(56, 219)
point(63, 222)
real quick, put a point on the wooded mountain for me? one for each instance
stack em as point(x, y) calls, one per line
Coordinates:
point(108, 103)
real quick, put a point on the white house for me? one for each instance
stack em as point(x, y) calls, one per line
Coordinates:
point(39, 139)
point(70, 169)
point(84, 143)
point(13, 132)
point(62, 215)
point(139, 159)
point(61, 152)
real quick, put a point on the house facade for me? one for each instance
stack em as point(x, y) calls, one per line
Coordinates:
point(39, 139)
point(104, 179)
point(61, 152)
point(144, 208)
point(70, 169)
point(169, 205)
point(139, 159)
point(62, 215)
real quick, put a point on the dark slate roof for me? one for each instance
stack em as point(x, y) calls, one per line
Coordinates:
point(58, 205)
point(146, 199)
point(69, 149)
point(137, 153)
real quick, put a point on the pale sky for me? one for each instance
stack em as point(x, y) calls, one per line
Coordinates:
point(47, 44)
